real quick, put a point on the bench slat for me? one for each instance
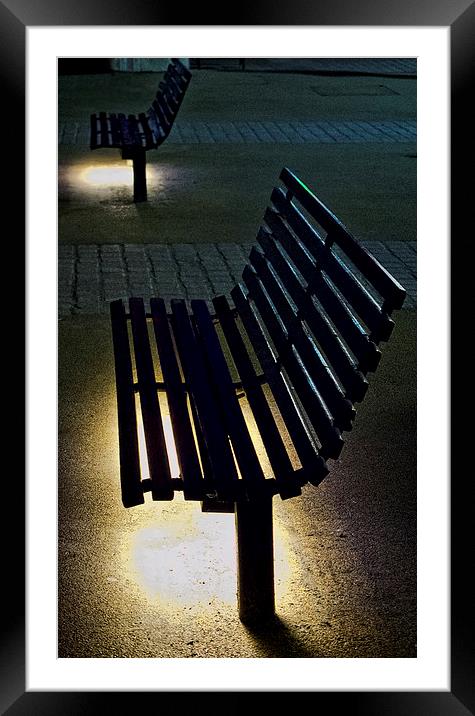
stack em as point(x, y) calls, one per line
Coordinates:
point(162, 117)
point(178, 86)
point(149, 138)
point(157, 130)
point(131, 488)
point(340, 274)
point(177, 72)
point(328, 435)
point(327, 386)
point(283, 471)
point(233, 418)
point(209, 416)
point(94, 130)
point(385, 284)
point(182, 431)
point(350, 329)
point(176, 89)
point(105, 136)
point(115, 130)
point(134, 131)
point(314, 466)
point(165, 109)
point(357, 339)
point(181, 69)
point(180, 73)
point(353, 381)
point(171, 102)
point(127, 137)
point(159, 467)
point(167, 92)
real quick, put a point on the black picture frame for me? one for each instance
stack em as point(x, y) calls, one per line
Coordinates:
point(15, 17)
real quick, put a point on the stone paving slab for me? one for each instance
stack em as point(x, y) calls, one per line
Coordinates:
point(92, 275)
point(295, 132)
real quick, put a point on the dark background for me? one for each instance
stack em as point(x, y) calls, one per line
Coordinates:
point(15, 15)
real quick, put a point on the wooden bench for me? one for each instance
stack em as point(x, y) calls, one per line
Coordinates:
point(302, 336)
point(135, 134)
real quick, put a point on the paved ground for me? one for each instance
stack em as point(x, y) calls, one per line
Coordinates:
point(352, 139)
point(267, 132)
point(202, 193)
point(92, 275)
point(159, 581)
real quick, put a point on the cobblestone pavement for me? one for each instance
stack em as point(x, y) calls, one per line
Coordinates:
point(296, 132)
point(92, 275)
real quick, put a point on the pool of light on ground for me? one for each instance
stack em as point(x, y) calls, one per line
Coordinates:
point(109, 175)
point(184, 557)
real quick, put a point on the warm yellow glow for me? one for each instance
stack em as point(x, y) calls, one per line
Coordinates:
point(109, 175)
point(185, 558)
point(182, 558)
point(144, 471)
point(169, 439)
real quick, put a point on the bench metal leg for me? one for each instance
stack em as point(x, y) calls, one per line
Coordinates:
point(255, 560)
point(140, 180)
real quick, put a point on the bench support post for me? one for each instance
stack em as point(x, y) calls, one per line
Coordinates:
point(140, 181)
point(255, 560)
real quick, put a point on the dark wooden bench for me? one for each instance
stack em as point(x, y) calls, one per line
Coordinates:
point(135, 134)
point(303, 334)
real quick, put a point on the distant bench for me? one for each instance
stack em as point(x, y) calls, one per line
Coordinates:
point(134, 134)
point(308, 316)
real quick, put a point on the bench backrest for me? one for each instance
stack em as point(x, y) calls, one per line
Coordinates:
point(316, 304)
point(168, 99)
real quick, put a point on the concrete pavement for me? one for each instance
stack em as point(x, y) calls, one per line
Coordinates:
point(159, 580)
